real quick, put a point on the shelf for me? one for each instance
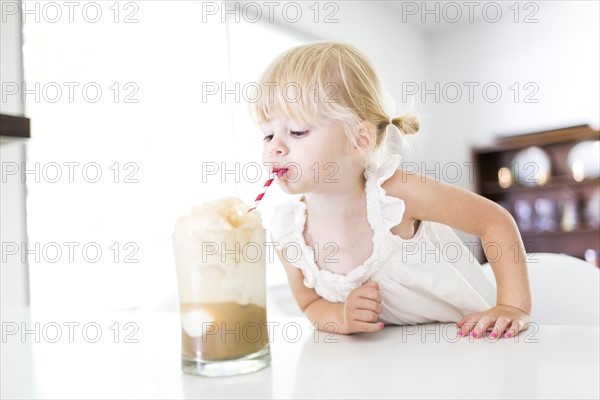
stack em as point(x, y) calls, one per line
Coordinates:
point(583, 231)
point(14, 126)
point(493, 188)
point(557, 144)
point(507, 143)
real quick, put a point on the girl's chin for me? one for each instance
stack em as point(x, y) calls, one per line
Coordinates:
point(289, 187)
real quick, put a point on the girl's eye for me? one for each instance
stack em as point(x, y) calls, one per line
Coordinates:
point(268, 138)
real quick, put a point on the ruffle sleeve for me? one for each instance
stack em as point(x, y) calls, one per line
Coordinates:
point(287, 231)
point(386, 211)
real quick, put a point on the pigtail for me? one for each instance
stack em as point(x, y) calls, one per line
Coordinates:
point(408, 124)
point(392, 137)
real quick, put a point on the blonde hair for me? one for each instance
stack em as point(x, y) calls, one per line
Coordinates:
point(330, 82)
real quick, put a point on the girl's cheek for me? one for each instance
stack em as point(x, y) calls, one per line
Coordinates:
point(264, 158)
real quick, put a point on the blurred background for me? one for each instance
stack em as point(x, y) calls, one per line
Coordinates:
point(138, 111)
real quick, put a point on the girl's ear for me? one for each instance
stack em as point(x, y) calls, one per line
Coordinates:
point(365, 139)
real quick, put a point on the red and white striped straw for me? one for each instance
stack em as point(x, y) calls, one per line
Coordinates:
point(261, 195)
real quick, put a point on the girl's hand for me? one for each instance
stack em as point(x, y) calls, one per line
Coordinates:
point(361, 309)
point(501, 319)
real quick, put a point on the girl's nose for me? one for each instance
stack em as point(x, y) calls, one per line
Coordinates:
point(277, 146)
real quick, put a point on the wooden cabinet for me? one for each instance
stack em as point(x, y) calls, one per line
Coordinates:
point(13, 126)
point(547, 187)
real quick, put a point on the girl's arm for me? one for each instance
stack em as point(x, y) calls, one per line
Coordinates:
point(357, 314)
point(429, 200)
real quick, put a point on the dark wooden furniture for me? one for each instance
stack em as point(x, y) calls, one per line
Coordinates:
point(559, 186)
point(14, 126)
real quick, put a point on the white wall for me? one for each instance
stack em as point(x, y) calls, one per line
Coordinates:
point(14, 274)
point(11, 55)
point(398, 51)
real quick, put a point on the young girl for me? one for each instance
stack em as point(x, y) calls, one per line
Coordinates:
point(361, 239)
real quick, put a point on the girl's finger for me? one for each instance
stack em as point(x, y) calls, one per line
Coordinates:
point(469, 317)
point(468, 325)
point(366, 304)
point(516, 327)
point(481, 326)
point(371, 284)
point(359, 326)
point(370, 293)
point(364, 316)
point(499, 327)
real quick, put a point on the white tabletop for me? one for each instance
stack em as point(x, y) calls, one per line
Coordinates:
point(411, 361)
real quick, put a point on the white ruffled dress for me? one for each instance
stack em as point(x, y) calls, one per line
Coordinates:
point(430, 277)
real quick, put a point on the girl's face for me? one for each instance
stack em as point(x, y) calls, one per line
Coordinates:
point(306, 158)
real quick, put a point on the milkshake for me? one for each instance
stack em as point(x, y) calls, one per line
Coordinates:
point(220, 260)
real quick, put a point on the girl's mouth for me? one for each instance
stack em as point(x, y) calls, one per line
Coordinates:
point(280, 172)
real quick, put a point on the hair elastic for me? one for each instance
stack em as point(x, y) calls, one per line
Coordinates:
point(390, 120)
